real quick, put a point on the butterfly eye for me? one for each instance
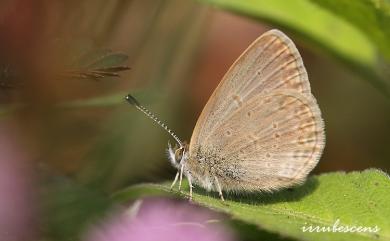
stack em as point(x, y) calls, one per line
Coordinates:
point(179, 154)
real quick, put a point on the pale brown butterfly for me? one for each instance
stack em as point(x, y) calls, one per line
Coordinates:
point(261, 129)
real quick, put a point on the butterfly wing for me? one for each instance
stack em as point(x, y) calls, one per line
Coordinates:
point(261, 127)
point(272, 141)
point(271, 62)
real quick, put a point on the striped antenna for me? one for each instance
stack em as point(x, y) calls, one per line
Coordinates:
point(149, 114)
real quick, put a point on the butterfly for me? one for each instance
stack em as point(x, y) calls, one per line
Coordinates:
point(261, 129)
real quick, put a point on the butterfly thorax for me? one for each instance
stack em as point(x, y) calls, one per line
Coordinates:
point(205, 163)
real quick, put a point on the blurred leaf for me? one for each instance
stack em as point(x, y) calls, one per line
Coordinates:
point(9, 109)
point(100, 101)
point(70, 208)
point(370, 16)
point(109, 60)
point(327, 31)
point(91, 57)
point(356, 199)
point(96, 73)
point(98, 64)
point(162, 60)
point(8, 77)
point(118, 158)
point(109, 100)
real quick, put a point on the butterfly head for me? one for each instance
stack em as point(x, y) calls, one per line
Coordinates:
point(177, 155)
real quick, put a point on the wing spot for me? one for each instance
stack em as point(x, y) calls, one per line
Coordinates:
point(312, 134)
point(267, 100)
point(317, 133)
point(307, 127)
point(297, 85)
point(253, 139)
point(297, 154)
point(300, 109)
point(302, 153)
point(276, 135)
point(310, 120)
point(228, 133)
point(237, 99)
point(282, 102)
point(249, 114)
point(274, 125)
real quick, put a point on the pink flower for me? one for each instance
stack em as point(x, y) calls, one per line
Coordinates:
point(161, 220)
point(16, 189)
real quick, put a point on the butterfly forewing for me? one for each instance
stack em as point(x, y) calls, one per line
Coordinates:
point(272, 62)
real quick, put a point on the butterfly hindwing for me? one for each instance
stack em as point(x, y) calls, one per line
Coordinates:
point(272, 140)
point(271, 62)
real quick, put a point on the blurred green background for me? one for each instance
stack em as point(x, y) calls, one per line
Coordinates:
point(83, 141)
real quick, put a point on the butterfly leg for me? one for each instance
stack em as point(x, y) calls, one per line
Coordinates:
point(219, 188)
point(181, 176)
point(174, 181)
point(190, 183)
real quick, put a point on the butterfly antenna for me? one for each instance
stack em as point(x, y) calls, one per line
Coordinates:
point(149, 114)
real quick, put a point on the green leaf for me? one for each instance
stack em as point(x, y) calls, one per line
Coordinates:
point(101, 101)
point(91, 57)
point(69, 208)
point(341, 37)
point(355, 199)
point(371, 16)
point(109, 60)
point(96, 64)
point(9, 109)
